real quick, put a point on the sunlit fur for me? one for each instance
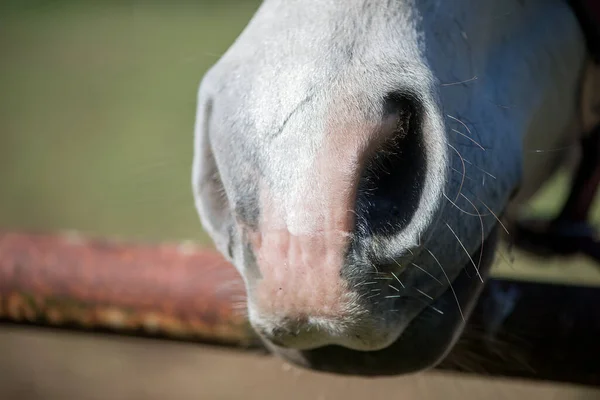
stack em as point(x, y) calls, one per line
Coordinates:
point(493, 79)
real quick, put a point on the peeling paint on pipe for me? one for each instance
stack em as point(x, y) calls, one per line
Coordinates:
point(174, 290)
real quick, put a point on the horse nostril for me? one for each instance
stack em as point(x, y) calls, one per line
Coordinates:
point(392, 180)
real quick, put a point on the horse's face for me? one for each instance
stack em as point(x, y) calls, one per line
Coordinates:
point(354, 182)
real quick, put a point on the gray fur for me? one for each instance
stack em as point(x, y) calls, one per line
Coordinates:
point(261, 117)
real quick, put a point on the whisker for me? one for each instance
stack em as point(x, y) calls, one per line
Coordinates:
point(423, 293)
point(460, 122)
point(365, 283)
point(360, 296)
point(464, 169)
point(433, 277)
point(466, 251)
point(552, 150)
point(466, 176)
point(375, 273)
point(449, 283)
point(501, 254)
point(481, 169)
point(375, 268)
point(400, 266)
point(436, 309)
point(427, 304)
point(455, 205)
point(482, 230)
point(503, 106)
point(399, 281)
point(395, 288)
point(460, 82)
point(468, 138)
point(495, 216)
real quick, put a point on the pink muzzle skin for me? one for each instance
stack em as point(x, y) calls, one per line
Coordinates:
point(300, 247)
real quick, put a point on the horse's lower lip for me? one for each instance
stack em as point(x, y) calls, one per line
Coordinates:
point(425, 342)
point(353, 340)
point(371, 347)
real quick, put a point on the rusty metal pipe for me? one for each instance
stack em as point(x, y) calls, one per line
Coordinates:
point(181, 291)
point(174, 290)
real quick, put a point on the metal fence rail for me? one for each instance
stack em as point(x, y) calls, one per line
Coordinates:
point(179, 291)
point(170, 290)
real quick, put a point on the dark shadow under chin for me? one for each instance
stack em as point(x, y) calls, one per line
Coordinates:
point(424, 343)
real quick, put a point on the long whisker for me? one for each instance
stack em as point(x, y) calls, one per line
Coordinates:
point(495, 216)
point(466, 251)
point(481, 169)
point(375, 268)
point(400, 266)
point(460, 209)
point(364, 283)
point(399, 281)
point(394, 287)
point(501, 254)
point(430, 306)
point(459, 82)
point(464, 169)
point(482, 230)
point(449, 283)
point(436, 309)
point(468, 138)
point(460, 122)
point(423, 293)
point(466, 176)
point(552, 150)
point(433, 277)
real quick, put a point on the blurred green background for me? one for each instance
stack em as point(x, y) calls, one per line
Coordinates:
point(97, 110)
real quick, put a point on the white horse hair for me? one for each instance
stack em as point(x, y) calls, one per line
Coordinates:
point(353, 159)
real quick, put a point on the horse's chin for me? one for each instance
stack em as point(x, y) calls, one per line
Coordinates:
point(422, 345)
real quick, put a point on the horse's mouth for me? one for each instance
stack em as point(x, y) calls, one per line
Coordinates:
point(425, 342)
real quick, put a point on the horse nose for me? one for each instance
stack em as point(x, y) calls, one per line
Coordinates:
point(305, 293)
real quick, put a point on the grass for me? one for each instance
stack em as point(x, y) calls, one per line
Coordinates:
point(97, 113)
